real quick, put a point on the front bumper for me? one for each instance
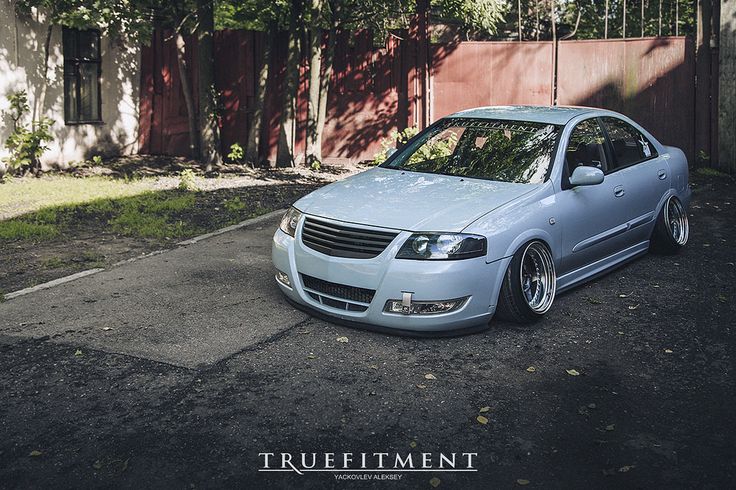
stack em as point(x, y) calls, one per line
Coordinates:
point(390, 278)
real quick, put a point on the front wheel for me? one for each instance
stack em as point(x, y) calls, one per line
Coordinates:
point(529, 285)
point(672, 229)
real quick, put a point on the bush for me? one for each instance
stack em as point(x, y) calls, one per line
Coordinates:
point(187, 180)
point(26, 144)
point(236, 153)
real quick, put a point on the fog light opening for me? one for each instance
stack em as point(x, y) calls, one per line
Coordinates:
point(283, 278)
point(423, 307)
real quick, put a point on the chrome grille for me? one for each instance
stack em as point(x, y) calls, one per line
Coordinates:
point(344, 241)
point(342, 291)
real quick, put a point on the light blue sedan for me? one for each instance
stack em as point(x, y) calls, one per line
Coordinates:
point(488, 211)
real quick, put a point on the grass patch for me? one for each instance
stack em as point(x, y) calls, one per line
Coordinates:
point(154, 215)
point(21, 196)
point(710, 172)
point(54, 263)
point(22, 230)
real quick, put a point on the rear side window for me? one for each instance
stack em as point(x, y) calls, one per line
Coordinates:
point(630, 146)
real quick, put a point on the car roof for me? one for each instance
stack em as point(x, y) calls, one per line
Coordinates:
point(543, 114)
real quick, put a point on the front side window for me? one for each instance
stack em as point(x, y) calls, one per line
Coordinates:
point(630, 146)
point(504, 151)
point(586, 147)
point(82, 67)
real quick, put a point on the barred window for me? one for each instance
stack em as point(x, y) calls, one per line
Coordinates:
point(82, 68)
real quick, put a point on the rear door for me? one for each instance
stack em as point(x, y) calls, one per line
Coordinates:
point(642, 173)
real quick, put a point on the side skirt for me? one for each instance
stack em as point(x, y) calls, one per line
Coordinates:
point(600, 267)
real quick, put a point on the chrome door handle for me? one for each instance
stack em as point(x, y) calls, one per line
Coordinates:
point(662, 174)
point(619, 191)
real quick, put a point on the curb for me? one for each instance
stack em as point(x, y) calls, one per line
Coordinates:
point(89, 272)
point(242, 224)
point(50, 284)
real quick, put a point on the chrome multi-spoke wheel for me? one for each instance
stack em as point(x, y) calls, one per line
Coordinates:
point(675, 219)
point(537, 277)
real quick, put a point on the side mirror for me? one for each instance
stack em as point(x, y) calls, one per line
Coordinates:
point(586, 176)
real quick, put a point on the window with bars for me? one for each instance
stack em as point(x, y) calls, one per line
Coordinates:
point(82, 68)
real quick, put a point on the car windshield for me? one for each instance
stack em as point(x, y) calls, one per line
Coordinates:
point(504, 151)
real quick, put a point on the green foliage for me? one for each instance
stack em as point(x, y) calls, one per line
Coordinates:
point(237, 153)
point(131, 20)
point(25, 143)
point(97, 160)
point(390, 143)
point(152, 215)
point(711, 172)
point(316, 166)
point(234, 205)
point(187, 180)
point(251, 14)
point(479, 16)
point(18, 229)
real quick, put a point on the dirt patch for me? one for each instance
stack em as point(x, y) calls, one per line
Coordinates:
point(90, 237)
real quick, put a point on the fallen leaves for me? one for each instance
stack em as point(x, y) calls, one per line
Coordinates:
point(343, 340)
point(78, 353)
point(611, 427)
point(531, 369)
point(481, 419)
point(522, 482)
point(311, 356)
point(668, 351)
point(421, 387)
point(412, 444)
point(435, 482)
point(485, 409)
point(430, 376)
point(35, 453)
point(572, 372)
point(633, 307)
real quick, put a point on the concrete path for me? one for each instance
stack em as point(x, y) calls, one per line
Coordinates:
point(191, 306)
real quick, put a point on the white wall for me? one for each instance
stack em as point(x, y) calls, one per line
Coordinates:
point(21, 68)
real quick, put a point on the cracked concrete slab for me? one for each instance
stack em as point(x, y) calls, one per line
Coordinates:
point(189, 307)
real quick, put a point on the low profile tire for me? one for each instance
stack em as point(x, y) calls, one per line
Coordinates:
point(672, 229)
point(529, 285)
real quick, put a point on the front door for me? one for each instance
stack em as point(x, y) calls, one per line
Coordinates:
point(593, 218)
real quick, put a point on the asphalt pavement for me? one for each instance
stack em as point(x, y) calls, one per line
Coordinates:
point(178, 369)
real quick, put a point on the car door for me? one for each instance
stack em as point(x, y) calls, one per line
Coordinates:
point(592, 218)
point(643, 175)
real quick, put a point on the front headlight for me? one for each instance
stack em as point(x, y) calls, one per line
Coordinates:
point(290, 220)
point(442, 246)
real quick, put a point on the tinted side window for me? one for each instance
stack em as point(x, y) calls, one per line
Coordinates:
point(586, 147)
point(629, 145)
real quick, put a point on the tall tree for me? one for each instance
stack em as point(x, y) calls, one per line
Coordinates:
point(287, 121)
point(209, 130)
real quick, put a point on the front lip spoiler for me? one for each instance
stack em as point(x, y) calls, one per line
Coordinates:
point(387, 330)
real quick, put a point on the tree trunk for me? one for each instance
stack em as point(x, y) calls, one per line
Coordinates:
point(314, 150)
point(324, 88)
point(208, 122)
point(287, 133)
point(253, 145)
point(186, 88)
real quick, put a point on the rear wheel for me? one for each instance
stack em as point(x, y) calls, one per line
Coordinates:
point(529, 285)
point(672, 229)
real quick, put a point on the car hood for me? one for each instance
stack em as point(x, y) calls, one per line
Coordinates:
point(410, 201)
